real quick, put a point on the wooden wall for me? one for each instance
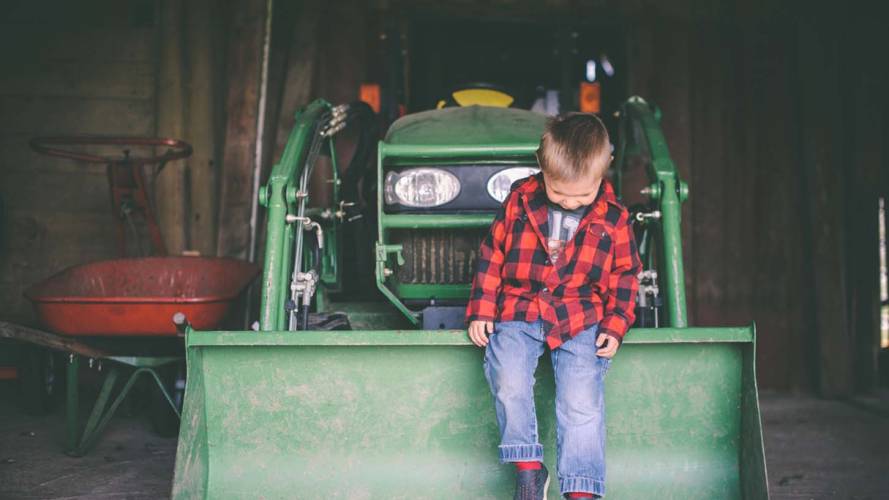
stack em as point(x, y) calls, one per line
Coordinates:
point(775, 115)
point(64, 70)
point(102, 67)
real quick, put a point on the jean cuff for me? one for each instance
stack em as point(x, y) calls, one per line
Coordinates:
point(521, 453)
point(581, 484)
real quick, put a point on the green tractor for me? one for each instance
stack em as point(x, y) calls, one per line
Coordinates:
point(335, 397)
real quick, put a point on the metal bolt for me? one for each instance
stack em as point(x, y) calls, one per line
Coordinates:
point(264, 196)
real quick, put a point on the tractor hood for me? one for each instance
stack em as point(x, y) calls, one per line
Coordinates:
point(471, 125)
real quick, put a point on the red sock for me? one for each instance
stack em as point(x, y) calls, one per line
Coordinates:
point(528, 466)
point(580, 494)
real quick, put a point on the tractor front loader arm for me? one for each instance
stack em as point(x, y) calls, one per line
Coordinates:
point(640, 134)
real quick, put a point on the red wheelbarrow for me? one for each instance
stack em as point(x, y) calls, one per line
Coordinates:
point(129, 300)
point(139, 296)
point(121, 310)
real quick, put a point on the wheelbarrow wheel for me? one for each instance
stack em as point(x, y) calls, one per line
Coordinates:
point(41, 374)
point(164, 420)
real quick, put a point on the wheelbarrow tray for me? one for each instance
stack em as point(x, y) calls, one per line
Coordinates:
point(139, 296)
point(403, 414)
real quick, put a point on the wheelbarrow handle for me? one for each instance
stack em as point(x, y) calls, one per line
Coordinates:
point(178, 149)
point(181, 322)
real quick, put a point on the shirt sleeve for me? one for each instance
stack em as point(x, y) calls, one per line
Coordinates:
point(623, 282)
point(486, 283)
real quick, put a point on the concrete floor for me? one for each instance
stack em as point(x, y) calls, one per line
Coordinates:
point(129, 462)
point(815, 449)
point(826, 449)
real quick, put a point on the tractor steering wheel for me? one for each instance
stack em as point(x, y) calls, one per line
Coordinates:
point(50, 146)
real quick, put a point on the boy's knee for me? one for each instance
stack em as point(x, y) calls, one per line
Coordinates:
point(579, 405)
point(511, 384)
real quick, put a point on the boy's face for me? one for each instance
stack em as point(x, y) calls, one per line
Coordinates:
point(572, 195)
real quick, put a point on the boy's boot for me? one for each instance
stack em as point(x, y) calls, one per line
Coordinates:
point(531, 484)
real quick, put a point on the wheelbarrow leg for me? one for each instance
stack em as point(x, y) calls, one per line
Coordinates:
point(96, 422)
point(71, 408)
point(164, 391)
point(100, 417)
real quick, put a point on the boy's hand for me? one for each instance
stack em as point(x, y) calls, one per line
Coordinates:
point(479, 330)
point(608, 345)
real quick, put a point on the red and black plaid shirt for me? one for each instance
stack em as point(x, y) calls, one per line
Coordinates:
point(593, 281)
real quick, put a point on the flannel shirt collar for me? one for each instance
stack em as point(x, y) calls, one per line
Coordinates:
point(532, 190)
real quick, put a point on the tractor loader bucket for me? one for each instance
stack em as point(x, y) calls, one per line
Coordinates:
point(402, 414)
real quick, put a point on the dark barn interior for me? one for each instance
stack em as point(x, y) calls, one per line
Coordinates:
point(774, 112)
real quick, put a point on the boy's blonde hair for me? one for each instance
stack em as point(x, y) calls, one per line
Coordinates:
point(574, 145)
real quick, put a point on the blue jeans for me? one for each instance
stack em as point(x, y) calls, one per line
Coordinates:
point(510, 361)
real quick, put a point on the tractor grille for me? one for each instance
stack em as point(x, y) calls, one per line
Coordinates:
point(435, 256)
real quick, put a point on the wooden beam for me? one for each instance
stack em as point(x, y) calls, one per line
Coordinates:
point(708, 105)
point(201, 123)
point(784, 344)
point(245, 27)
point(823, 163)
point(170, 189)
point(865, 134)
point(300, 72)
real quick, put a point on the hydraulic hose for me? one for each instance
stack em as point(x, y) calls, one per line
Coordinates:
point(362, 115)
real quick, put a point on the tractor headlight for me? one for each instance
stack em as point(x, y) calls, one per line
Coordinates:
point(421, 187)
point(499, 183)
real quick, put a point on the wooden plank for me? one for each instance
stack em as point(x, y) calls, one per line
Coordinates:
point(708, 154)
point(33, 230)
point(865, 132)
point(170, 189)
point(201, 124)
point(40, 243)
point(640, 57)
point(739, 200)
point(52, 44)
point(246, 25)
point(71, 115)
point(50, 340)
point(820, 119)
point(71, 192)
point(89, 79)
point(783, 329)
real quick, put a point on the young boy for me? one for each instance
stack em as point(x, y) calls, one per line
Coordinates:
point(558, 268)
